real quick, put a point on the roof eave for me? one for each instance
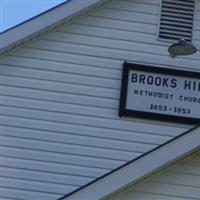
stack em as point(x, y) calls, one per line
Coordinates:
point(140, 168)
point(44, 22)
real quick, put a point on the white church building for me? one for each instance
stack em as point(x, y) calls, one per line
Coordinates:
point(100, 100)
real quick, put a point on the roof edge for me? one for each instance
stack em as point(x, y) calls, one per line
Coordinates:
point(140, 167)
point(35, 16)
point(38, 24)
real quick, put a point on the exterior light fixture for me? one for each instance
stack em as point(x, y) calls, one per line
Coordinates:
point(182, 47)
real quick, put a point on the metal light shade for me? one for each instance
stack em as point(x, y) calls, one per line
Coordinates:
point(182, 48)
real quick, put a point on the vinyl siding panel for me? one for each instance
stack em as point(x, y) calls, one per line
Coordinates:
point(179, 182)
point(197, 25)
point(60, 97)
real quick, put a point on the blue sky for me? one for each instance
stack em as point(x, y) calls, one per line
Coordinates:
point(13, 12)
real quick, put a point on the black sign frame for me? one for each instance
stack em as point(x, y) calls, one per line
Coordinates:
point(150, 115)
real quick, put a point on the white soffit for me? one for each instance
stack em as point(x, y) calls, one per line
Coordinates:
point(51, 18)
point(140, 167)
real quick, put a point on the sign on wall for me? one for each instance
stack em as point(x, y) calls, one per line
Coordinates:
point(158, 93)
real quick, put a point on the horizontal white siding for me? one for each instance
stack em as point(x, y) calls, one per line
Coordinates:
point(60, 97)
point(197, 25)
point(179, 182)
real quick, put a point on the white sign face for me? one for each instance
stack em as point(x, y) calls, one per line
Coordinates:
point(160, 93)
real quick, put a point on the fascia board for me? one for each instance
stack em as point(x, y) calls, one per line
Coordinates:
point(140, 168)
point(40, 23)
